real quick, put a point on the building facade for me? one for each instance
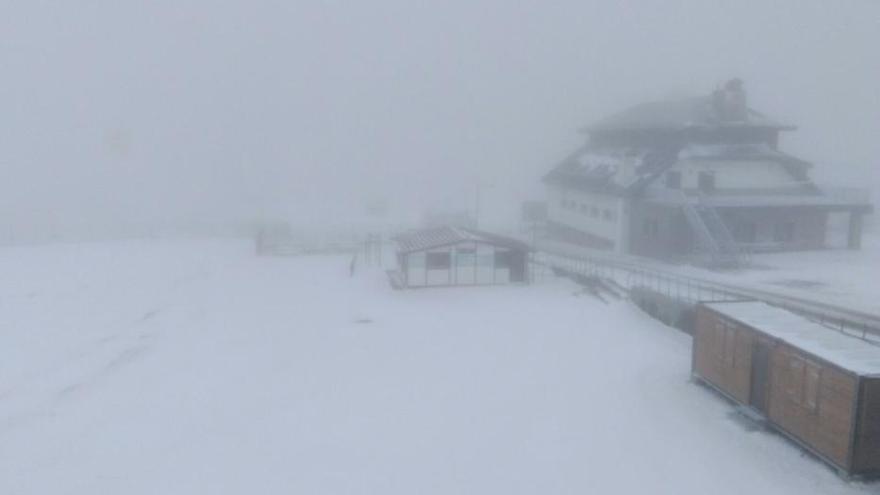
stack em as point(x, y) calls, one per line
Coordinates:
point(699, 179)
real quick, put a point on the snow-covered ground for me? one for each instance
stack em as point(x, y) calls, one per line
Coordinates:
point(195, 367)
point(847, 278)
point(839, 276)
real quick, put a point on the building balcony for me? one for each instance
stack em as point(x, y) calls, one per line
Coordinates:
point(831, 198)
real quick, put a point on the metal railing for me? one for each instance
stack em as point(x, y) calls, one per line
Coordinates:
point(821, 195)
point(691, 289)
point(851, 195)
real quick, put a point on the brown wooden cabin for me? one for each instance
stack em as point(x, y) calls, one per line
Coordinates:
point(817, 386)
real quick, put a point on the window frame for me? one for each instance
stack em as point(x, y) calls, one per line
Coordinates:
point(608, 214)
point(668, 179)
point(784, 231)
point(432, 265)
point(502, 259)
point(706, 180)
point(794, 384)
point(812, 384)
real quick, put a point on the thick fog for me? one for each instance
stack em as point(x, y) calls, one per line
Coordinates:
point(364, 246)
point(169, 111)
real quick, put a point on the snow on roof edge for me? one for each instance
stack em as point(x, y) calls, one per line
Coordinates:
point(845, 351)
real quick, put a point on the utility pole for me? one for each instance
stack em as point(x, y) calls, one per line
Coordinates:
point(479, 188)
point(477, 208)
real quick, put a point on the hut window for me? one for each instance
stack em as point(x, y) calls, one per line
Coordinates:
point(719, 341)
point(466, 256)
point(784, 232)
point(794, 383)
point(437, 261)
point(417, 260)
point(729, 346)
point(811, 387)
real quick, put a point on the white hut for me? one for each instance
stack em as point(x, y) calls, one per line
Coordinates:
point(448, 256)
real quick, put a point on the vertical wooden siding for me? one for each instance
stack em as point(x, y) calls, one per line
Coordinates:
point(808, 398)
point(817, 410)
point(866, 456)
point(723, 354)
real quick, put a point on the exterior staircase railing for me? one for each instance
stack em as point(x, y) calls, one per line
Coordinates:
point(713, 237)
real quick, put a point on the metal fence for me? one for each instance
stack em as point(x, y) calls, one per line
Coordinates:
point(690, 289)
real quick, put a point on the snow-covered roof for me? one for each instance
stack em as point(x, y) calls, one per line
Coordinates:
point(419, 240)
point(679, 114)
point(611, 170)
point(847, 352)
point(616, 170)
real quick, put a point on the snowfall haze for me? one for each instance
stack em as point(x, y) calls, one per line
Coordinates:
point(181, 111)
point(382, 247)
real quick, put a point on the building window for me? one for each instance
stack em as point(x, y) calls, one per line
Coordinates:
point(746, 232)
point(594, 212)
point(607, 214)
point(502, 259)
point(651, 228)
point(784, 232)
point(673, 179)
point(584, 209)
point(437, 261)
point(706, 181)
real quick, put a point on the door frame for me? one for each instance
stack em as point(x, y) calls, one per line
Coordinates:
point(762, 350)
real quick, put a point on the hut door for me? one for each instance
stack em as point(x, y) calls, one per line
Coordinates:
point(760, 375)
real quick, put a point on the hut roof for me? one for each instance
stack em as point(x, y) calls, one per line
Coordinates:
point(419, 240)
point(845, 351)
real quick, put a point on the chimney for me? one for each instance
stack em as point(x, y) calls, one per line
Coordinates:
point(731, 101)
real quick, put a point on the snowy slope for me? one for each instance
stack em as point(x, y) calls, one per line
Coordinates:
point(194, 367)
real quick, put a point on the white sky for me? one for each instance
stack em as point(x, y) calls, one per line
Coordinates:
point(197, 109)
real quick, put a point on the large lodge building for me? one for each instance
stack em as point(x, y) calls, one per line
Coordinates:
point(698, 179)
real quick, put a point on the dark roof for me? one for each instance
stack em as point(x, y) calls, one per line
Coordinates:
point(419, 240)
point(679, 114)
